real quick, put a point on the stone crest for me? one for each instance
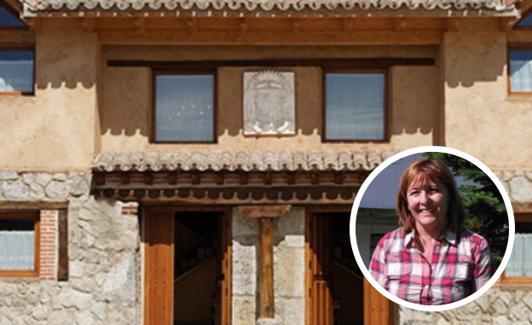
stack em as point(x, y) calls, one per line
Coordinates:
point(269, 103)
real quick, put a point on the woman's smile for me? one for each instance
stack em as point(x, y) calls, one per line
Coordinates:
point(428, 204)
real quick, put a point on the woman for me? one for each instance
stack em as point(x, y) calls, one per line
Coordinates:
point(431, 259)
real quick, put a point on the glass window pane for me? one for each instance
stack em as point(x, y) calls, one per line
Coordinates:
point(184, 108)
point(520, 264)
point(17, 243)
point(8, 19)
point(16, 71)
point(521, 70)
point(355, 106)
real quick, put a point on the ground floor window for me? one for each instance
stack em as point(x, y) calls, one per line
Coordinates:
point(19, 243)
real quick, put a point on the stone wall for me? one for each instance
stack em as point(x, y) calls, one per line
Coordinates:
point(289, 270)
point(104, 261)
point(502, 304)
point(497, 306)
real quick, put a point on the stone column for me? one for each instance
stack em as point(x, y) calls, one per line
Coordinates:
point(266, 216)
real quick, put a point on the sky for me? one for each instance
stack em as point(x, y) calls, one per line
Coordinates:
point(382, 191)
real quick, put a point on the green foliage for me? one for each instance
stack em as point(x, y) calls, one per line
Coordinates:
point(485, 212)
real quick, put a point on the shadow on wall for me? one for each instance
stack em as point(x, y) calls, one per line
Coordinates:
point(414, 95)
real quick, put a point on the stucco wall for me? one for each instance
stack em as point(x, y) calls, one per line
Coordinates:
point(55, 128)
point(127, 99)
point(480, 117)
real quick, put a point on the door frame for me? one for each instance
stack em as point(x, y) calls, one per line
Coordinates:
point(225, 260)
point(377, 309)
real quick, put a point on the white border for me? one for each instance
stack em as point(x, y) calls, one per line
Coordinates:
point(384, 165)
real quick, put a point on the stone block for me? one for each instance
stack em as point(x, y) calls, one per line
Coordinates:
point(42, 179)
point(243, 310)
point(520, 189)
point(290, 310)
point(289, 272)
point(56, 190)
point(244, 269)
point(15, 190)
point(73, 298)
point(78, 185)
point(244, 226)
point(8, 176)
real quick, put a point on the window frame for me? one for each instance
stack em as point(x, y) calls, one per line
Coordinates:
point(15, 13)
point(21, 48)
point(525, 15)
point(517, 47)
point(386, 101)
point(33, 215)
point(518, 280)
point(168, 72)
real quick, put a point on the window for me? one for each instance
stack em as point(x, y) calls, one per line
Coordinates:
point(19, 242)
point(520, 73)
point(184, 107)
point(16, 71)
point(355, 106)
point(519, 268)
point(526, 22)
point(9, 19)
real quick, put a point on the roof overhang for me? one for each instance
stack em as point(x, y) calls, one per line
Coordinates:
point(223, 177)
point(269, 8)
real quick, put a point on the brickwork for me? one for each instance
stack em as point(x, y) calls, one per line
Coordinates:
point(48, 244)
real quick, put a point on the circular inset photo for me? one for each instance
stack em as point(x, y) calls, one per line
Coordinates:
point(432, 228)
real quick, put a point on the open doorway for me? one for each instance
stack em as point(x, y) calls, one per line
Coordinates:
point(187, 266)
point(338, 294)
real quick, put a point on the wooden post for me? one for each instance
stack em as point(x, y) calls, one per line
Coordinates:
point(266, 305)
point(266, 216)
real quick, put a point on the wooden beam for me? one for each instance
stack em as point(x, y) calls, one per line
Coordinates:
point(17, 37)
point(269, 37)
point(266, 293)
point(324, 63)
point(62, 267)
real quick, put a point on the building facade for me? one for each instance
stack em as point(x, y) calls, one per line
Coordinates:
point(195, 162)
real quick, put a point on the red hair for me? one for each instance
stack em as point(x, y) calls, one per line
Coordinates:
point(422, 172)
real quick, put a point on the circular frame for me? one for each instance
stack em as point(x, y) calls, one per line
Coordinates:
point(358, 200)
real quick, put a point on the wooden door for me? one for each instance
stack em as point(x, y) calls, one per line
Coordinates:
point(223, 317)
point(319, 298)
point(377, 309)
point(159, 268)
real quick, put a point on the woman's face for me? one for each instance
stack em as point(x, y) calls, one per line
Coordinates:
point(427, 202)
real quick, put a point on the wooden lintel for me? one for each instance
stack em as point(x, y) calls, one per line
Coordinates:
point(399, 23)
point(453, 25)
point(522, 207)
point(140, 24)
point(507, 24)
point(263, 211)
point(268, 37)
point(17, 37)
point(378, 62)
point(88, 24)
point(266, 280)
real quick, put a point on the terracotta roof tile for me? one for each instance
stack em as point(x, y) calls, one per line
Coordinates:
point(246, 161)
point(266, 5)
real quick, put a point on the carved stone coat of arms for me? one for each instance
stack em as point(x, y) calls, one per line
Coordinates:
point(269, 103)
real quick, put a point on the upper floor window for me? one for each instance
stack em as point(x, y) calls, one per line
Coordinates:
point(19, 238)
point(355, 106)
point(520, 70)
point(525, 22)
point(9, 18)
point(16, 71)
point(184, 107)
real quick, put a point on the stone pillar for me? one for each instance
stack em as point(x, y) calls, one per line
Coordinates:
point(266, 216)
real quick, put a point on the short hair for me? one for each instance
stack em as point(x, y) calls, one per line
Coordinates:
point(423, 171)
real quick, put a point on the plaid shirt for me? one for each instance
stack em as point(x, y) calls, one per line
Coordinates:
point(459, 267)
